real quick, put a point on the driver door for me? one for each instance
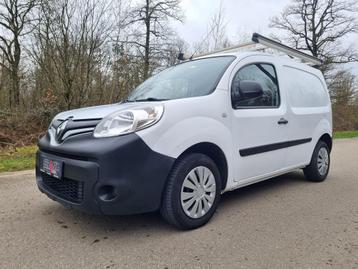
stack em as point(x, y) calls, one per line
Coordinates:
point(258, 124)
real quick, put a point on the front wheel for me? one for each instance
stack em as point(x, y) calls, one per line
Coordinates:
point(318, 169)
point(192, 192)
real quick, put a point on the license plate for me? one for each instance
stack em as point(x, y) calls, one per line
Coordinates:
point(51, 166)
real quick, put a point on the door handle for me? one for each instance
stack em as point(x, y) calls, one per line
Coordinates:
point(282, 121)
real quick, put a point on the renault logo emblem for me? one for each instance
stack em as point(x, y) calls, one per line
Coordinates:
point(61, 129)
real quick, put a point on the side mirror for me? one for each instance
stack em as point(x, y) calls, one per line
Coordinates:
point(246, 89)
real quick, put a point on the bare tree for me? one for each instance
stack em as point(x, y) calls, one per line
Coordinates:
point(343, 88)
point(219, 32)
point(169, 54)
point(82, 52)
point(14, 19)
point(2, 81)
point(318, 26)
point(69, 47)
point(216, 34)
point(154, 15)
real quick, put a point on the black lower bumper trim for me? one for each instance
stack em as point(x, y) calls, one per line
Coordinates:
point(133, 175)
point(68, 189)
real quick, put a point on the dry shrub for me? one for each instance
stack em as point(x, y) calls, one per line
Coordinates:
point(345, 118)
point(22, 129)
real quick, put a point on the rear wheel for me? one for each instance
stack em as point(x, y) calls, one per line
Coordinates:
point(318, 169)
point(192, 193)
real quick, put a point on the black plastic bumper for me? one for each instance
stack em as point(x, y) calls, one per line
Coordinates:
point(114, 176)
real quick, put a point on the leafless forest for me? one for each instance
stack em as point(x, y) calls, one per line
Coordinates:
point(62, 54)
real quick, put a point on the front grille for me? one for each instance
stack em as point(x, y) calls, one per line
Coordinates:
point(68, 189)
point(72, 127)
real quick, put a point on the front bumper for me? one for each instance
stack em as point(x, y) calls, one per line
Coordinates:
point(112, 176)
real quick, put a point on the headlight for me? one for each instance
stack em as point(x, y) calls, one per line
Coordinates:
point(129, 120)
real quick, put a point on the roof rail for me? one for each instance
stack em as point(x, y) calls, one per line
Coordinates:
point(257, 38)
point(268, 43)
point(233, 48)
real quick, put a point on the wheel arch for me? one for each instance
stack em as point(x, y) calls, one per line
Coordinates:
point(327, 138)
point(214, 152)
point(322, 132)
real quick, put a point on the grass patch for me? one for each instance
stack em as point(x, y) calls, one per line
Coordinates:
point(17, 159)
point(345, 134)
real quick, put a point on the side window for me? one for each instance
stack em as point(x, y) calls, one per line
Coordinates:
point(305, 89)
point(255, 85)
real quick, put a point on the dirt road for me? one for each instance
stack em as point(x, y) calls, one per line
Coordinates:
point(285, 222)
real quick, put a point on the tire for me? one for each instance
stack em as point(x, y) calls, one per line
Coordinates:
point(318, 169)
point(177, 207)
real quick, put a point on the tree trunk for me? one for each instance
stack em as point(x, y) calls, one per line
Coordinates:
point(15, 87)
point(15, 71)
point(147, 42)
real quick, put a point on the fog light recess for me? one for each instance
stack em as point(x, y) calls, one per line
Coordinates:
point(107, 193)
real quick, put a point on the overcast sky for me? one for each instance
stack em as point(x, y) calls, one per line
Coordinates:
point(242, 16)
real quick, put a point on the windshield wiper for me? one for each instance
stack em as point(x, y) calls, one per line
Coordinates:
point(128, 101)
point(149, 99)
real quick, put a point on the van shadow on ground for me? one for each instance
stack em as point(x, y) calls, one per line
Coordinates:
point(152, 222)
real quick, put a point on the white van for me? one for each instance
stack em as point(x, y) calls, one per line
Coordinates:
point(191, 133)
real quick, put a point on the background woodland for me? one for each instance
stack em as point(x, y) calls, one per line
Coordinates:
point(57, 55)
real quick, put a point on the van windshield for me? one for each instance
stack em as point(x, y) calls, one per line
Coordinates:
point(189, 79)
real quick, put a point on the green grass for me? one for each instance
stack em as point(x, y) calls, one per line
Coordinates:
point(18, 159)
point(345, 134)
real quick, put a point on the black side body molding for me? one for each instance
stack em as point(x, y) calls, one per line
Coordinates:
point(271, 147)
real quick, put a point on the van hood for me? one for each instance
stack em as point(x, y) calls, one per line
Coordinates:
point(94, 112)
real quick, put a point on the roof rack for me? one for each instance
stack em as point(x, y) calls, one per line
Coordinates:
point(257, 38)
point(266, 43)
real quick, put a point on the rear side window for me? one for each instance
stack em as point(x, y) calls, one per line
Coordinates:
point(265, 75)
point(305, 89)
